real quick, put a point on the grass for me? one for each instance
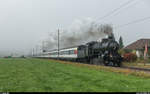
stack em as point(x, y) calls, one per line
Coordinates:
point(38, 75)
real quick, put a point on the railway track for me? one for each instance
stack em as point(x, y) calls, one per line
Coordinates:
point(136, 68)
point(131, 68)
point(125, 67)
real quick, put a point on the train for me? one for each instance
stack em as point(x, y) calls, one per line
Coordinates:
point(104, 52)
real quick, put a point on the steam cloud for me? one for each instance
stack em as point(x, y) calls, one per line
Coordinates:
point(80, 32)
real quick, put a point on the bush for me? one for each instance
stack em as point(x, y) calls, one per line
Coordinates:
point(7, 56)
point(121, 51)
point(22, 56)
point(130, 57)
point(125, 51)
point(128, 50)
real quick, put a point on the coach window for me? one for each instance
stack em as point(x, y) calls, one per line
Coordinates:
point(66, 52)
point(72, 52)
point(55, 53)
point(61, 53)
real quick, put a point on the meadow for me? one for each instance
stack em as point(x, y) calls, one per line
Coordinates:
point(40, 75)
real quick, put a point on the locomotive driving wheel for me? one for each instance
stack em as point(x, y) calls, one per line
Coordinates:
point(119, 64)
point(109, 63)
point(106, 63)
point(96, 61)
point(115, 64)
point(91, 61)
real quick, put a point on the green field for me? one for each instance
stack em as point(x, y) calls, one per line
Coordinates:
point(31, 75)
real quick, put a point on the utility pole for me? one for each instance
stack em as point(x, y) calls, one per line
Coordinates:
point(33, 52)
point(58, 43)
point(36, 50)
point(42, 46)
point(30, 53)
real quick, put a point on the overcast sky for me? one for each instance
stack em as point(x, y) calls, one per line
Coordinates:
point(23, 23)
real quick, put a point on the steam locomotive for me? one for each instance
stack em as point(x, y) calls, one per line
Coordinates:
point(99, 53)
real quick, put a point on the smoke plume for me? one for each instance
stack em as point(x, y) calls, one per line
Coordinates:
point(80, 32)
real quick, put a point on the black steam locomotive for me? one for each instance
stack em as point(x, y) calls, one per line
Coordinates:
point(99, 53)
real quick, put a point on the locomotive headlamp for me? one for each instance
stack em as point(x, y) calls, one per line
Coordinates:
point(114, 47)
point(111, 55)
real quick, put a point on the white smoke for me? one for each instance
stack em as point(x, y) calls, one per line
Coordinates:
point(79, 32)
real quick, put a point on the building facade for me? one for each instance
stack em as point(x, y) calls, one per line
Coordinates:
point(139, 47)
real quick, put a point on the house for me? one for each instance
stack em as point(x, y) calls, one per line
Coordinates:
point(139, 47)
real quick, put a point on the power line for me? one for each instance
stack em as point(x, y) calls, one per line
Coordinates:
point(134, 22)
point(110, 13)
point(125, 8)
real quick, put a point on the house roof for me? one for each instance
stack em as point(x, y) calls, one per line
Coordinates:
point(139, 44)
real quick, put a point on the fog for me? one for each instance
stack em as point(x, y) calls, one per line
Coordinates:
point(24, 24)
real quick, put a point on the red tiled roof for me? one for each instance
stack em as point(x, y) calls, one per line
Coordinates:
point(139, 44)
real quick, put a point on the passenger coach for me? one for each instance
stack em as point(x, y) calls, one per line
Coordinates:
point(64, 54)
